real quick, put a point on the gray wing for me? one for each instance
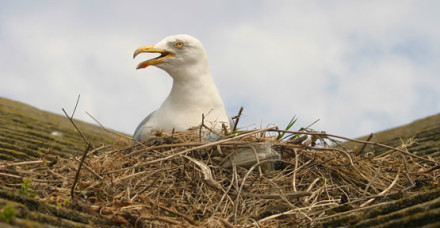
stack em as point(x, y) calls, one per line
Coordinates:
point(136, 135)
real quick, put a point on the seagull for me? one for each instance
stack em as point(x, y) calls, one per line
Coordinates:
point(193, 92)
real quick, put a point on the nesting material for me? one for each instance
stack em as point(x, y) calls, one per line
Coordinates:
point(177, 179)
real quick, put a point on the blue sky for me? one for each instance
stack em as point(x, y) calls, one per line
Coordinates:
point(358, 66)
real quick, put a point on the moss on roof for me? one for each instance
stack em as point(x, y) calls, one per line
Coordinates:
point(28, 133)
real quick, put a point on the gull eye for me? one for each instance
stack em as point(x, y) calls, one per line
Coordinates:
point(179, 44)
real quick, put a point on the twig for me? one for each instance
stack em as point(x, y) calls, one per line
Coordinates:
point(77, 129)
point(372, 180)
point(384, 191)
point(237, 118)
point(186, 217)
point(274, 196)
point(225, 129)
point(146, 188)
point(89, 146)
point(11, 175)
point(226, 223)
point(407, 174)
point(22, 163)
point(281, 193)
point(353, 211)
point(207, 174)
point(46, 181)
point(242, 184)
point(57, 174)
point(72, 191)
point(312, 124)
point(258, 160)
point(32, 179)
point(136, 174)
point(234, 170)
point(403, 146)
point(160, 218)
point(236, 187)
point(295, 170)
point(201, 127)
point(312, 184)
point(363, 146)
point(90, 170)
point(430, 169)
point(76, 105)
point(293, 211)
point(108, 130)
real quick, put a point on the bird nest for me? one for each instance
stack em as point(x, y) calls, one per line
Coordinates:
point(178, 179)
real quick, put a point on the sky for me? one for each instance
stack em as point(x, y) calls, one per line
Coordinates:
point(356, 66)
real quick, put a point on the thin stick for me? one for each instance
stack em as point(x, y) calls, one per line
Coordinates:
point(280, 192)
point(77, 129)
point(22, 163)
point(312, 184)
point(407, 174)
point(201, 127)
point(294, 211)
point(295, 170)
point(186, 217)
point(36, 180)
point(204, 125)
point(234, 170)
point(372, 180)
point(160, 218)
point(237, 118)
point(11, 175)
point(352, 211)
point(108, 130)
point(363, 146)
point(242, 184)
point(72, 191)
point(90, 170)
point(312, 123)
point(384, 191)
point(258, 160)
point(146, 188)
point(226, 223)
point(274, 196)
point(76, 105)
point(89, 146)
point(430, 169)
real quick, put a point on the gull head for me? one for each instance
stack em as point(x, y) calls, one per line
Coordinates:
point(176, 53)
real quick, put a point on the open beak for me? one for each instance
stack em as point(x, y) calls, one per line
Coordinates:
point(150, 49)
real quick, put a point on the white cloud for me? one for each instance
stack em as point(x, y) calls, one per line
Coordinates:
point(359, 67)
point(333, 62)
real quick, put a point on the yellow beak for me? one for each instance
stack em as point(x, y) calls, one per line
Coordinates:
point(150, 49)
